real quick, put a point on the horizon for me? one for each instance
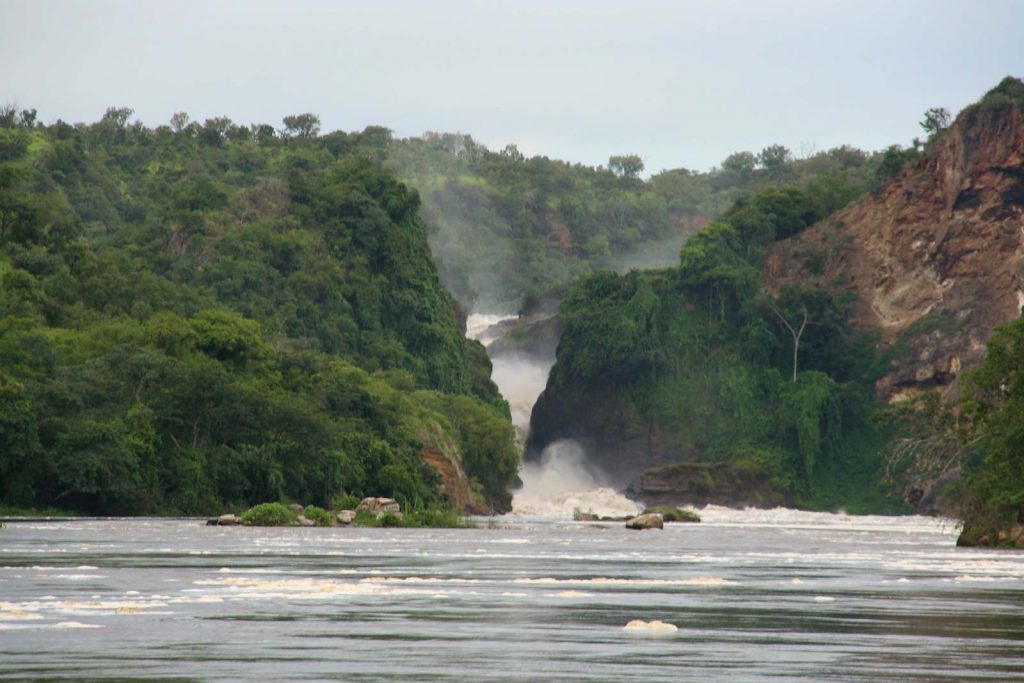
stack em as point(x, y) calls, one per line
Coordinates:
point(681, 86)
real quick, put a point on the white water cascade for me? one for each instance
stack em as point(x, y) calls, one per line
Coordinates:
point(559, 484)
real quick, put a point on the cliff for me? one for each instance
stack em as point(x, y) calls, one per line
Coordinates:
point(934, 259)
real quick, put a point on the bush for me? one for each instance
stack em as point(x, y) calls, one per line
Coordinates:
point(345, 501)
point(389, 520)
point(269, 514)
point(671, 514)
point(318, 515)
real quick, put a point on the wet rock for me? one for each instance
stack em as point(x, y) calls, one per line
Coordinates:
point(378, 507)
point(1007, 537)
point(648, 521)
point(224, 520)
point(345, 517)
point(584, 516)
point(737, 485)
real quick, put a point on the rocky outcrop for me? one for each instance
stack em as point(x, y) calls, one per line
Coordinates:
point(731, 484)
point(378, 507)
point(935, 259)
point(224, 520)
point(454, 482)
point(1008, 537)
point(648, 521)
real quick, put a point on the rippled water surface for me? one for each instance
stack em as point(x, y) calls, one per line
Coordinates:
point(754, 596)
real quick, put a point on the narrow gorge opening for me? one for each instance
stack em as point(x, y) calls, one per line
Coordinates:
point(560, 484)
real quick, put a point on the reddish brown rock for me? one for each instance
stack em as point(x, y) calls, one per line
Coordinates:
point(936, 258)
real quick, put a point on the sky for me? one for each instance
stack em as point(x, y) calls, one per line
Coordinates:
point(681, 84)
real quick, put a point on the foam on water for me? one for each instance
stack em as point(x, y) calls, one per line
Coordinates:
point(560, 485)
point(653, 627)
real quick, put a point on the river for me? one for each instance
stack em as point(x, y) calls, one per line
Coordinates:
point(752, 596)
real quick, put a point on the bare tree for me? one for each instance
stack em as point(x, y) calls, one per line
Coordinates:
point(796, 333)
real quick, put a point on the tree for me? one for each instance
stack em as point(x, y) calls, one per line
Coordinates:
point(179, 121)
point(740, 166)
point(773, 158)
point(302, 125)
point(935, 119)
point(796, 333)
point(626, 165)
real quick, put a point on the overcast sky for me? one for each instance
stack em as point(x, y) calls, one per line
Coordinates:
point(679, 83)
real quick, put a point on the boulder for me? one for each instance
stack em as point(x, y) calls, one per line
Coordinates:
point(649, 521)
point(345, 517)
point(224, 520)
point(378, 507)
point(303, 520)
point(296, 507)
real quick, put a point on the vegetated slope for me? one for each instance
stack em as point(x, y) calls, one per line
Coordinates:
point(208, 315)
point(935, 261)
point(935, 258)
point(920, 272)
point(687, 369)
point(510, 232)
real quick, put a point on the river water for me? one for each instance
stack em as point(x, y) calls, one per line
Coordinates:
point(753, 596)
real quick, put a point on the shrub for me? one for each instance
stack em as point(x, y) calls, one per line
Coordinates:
point(269, 514)
point(388, 519)
point(671, 514)
point(318, 515)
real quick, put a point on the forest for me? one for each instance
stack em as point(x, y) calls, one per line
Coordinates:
point(199, 317)
point(204, 316)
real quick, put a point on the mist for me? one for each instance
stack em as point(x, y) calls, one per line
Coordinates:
point(561, 484)
point(521, 378)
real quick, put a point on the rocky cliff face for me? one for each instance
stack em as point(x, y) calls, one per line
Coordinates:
point(935, 259)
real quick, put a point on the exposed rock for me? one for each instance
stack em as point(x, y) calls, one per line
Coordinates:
point(725, 483)
point(648, 521)
point(304, 521)
point(224, 520)
point(674, 514)
point(378, 507)
point(454, 482)
point(345, 517)
point(584, 516)
point(1008, 537)
point(296, 508)
point(936, 259)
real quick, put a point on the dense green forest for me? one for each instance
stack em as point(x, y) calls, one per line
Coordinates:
point(775, 381)
point(509, 233)
point(201, 316)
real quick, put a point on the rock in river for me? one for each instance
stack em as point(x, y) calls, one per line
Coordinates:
point(648, 521)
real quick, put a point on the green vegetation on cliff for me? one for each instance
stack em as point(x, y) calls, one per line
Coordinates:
point(509, 231)
point(211, 315)
point(721, 370)
point(991, 497)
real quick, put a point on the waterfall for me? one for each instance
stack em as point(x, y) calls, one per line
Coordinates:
point(559, 484)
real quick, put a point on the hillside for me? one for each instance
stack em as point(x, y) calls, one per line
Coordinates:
point(753, 369)
point(509, 233)
point(934, 261)
point(202, 316)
